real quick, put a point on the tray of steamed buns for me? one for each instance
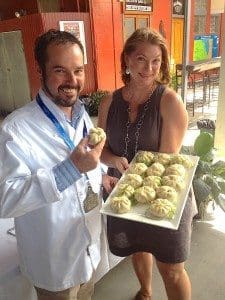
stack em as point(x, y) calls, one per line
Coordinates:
point(153, 190)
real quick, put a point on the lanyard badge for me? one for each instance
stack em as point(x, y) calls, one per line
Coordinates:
point(91, 200)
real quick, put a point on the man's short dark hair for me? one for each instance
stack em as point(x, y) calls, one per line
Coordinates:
point(56, 37)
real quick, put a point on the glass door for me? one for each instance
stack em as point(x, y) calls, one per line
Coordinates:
point(133, 22)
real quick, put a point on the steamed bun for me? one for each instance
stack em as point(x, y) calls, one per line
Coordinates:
point(96, 135)
point(161, 208)
point(133, 180)
point(144, 194)
point(175, 169)
point(162, 158)
point(167, 192)
point(137, 168)
point(156, 169)
point(182, 160)
point(174, 181)
point(124, 189)
point(120, 204)
point(152, 181)
point(145, 157)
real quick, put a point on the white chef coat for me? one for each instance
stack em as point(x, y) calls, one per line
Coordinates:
point(58, 243)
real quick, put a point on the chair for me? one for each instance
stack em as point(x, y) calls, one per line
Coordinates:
point(178, 76)
point(198, 84)
point(213, 81)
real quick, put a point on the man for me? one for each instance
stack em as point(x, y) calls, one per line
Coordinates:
point(50, 180)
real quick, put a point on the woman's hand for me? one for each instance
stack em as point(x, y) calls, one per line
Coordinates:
point(109, 182)
point(121, 164)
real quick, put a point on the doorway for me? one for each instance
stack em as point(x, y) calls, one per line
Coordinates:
point(177, 40)
point(14, 83)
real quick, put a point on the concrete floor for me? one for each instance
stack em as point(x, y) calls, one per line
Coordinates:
point(205, 266)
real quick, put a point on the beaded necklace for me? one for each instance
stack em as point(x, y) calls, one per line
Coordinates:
point(138, 126)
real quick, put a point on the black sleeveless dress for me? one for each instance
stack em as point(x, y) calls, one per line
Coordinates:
point(127, 237)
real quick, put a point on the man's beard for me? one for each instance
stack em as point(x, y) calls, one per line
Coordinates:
point(68, 101)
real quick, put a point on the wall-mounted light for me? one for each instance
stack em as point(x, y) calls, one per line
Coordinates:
point(17, 14)
point(20, 13)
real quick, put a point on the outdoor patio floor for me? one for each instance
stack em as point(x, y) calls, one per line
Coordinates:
point(205, 266)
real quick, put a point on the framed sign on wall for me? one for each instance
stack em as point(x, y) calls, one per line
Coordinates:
point(138, 5)
point(77, 29)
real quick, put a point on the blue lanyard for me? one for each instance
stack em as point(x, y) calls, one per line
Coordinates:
point(62, 133)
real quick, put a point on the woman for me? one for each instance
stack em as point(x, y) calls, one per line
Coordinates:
point(146, 115)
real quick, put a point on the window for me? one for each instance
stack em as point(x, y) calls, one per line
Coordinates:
point(201, 7)
point(129, 26)
point(215, 24)
point(200, 16)
point(200, 24)
point(133, 22)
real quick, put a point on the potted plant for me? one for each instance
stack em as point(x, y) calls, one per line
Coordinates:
point(94, 100)
point(209, 178)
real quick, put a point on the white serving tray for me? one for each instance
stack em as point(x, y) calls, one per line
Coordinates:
point(137, 212)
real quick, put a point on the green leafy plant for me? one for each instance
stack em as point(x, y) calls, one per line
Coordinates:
point(209, 178)
point(94, 101)
point(174, 84)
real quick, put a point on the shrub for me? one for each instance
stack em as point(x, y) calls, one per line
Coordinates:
point(209, 178)
point(94, 102)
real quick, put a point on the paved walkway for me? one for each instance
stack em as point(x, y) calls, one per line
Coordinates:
point(206, 267)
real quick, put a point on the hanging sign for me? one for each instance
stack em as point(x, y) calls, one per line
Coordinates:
point(138, 5)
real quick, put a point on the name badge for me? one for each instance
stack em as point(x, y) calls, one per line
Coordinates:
point(91, 200)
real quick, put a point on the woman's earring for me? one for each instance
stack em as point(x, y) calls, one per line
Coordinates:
point(127, 71)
